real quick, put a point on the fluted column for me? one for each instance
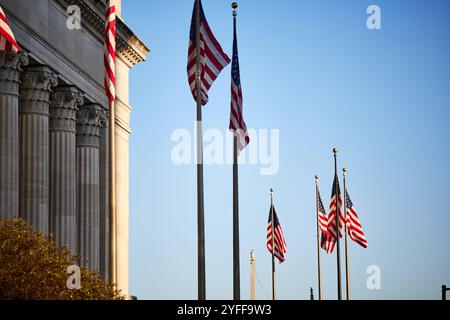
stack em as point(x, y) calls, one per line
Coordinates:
point(34, 104)
point(10, 68)
point(63, 222)
point(90, 119)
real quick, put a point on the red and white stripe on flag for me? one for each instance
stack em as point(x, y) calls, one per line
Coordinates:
point(237, 123)
point(212, 58)
point(280, 247)
point(109, 58)
point(354, 227)
point(7, 40)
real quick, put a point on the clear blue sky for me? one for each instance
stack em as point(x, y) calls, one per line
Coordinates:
point(314, 71)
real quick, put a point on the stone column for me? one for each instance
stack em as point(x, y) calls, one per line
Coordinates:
point(90, 119)
point(63, 222)
point(10, 68)
point(34, 104)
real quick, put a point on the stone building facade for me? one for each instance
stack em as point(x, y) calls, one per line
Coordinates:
point(54, 127)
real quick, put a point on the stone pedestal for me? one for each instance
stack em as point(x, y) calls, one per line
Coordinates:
point(34, 103)
point(63, 222)
point(90, 119)
point(10, 68)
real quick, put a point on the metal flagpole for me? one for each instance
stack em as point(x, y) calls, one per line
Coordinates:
point(347, 267)
point(112, 191)
point(236, 271)
point(338, 253)
point(112, 196)
point(273, 243)
point(200, 203)
point(319, 267)
point(236, 266)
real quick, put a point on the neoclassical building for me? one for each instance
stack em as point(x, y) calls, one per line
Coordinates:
point(54, 127)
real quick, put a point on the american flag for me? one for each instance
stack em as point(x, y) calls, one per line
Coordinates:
point(325, 238)
point(280, 247)
point(237, 123)
point(109, 58)
point(323, 218)
point(329, 238)
point(212, 57)
point(7, 40)
point(354, 227)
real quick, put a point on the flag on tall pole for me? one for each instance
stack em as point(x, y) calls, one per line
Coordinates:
point(240, 140)
point(335, 225)
point(7, 40)
point(322, 227)
point(276, 245)
point(237, 123)
point(208, 50)
point(354, 226)
point(205, 61)
point(347, 262)
point(109, 60)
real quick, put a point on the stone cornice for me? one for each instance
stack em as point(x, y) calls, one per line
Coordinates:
point(129, 47)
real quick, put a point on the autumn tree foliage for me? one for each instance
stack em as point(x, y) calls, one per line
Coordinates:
point(34, 267)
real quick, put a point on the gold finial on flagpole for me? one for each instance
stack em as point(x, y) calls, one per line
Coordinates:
point(316, 177)
point(272, 190)
point(335, 150)
point(344, 170)
point(234, 5)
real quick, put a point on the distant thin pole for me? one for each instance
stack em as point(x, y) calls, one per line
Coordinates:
point(200, 200)
point(273, 244)
point(252, 276)
point(347, 263)
point(319, 266)
point(338, 251)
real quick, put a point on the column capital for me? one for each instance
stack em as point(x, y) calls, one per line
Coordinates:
point(90, 118)
point(10, 68)
point(35, 89)
point(64, 106)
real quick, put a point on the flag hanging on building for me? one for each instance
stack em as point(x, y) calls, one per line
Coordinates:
point(212, 57)
point(7, 40)
point(354, 227)
point(280, 247)
point(109, 48)
point(237, 123)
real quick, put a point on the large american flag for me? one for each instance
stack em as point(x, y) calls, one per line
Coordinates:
point(354, 227)
point(329, 238)
point(7, 40)
point(237, 123)
point(212, 57)
point(109, 58)
point(280, 247)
